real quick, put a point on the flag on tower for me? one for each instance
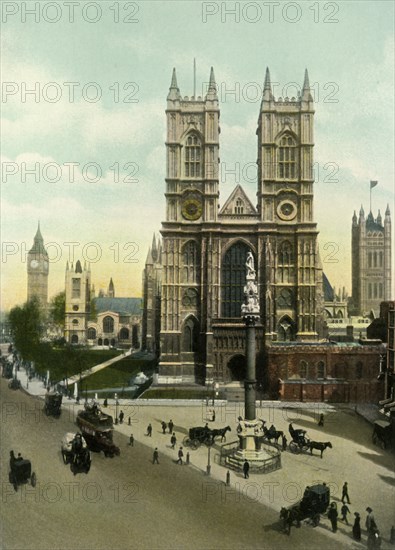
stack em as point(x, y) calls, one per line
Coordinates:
point(373, 184)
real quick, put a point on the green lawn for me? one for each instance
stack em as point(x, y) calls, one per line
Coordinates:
point(119, 374)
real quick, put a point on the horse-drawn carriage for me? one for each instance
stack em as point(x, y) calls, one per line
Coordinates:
point(7, 369)
point(76, 453)
point(300, 442)
point(20, 471)
point(197, 436)
point(97, 429)
point(382, 434)
point(53, 404)
point(315, 502)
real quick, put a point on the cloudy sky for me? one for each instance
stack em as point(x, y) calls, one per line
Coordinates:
point(94, 129)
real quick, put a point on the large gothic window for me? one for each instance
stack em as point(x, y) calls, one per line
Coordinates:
point(287, 158)
point(193, 157)
point(91, 333)
point(108, 324)
point(76, 288)
point(233, 279)
point(191, 262)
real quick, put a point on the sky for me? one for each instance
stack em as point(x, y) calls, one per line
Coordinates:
point(84, 154)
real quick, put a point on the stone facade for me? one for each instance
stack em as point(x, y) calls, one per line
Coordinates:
point(38, 270)
point(204, 248)
point(371, 262)
point(78, 302)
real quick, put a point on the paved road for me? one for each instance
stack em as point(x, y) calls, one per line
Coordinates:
point(125, 502)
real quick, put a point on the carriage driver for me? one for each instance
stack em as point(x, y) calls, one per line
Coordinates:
point(77, 445)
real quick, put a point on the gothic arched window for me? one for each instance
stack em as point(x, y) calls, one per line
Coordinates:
point(108, 324)
point(91, 333)
point(303, 369)
point(190, 335)
point(285, 256)
point(191, 262)
point(124, 333)
point(320, 369)
point(193, 157)
point(239, 206)
point(233, 279)
point(287, 158)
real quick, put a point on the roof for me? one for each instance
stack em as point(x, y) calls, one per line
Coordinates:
point(329, 295)
point(123, 306)
point(229, 206)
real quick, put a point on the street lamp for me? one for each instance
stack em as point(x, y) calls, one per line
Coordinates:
point(116, 407)
point(208, 461)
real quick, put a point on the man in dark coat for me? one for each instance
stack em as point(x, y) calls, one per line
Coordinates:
point(180, 455)
point(356, 528)
point(345, 493)
point(173, 440)
point(246, 469)
point(149, 430)
point(155, 456)
point(164, 427)
point(171, 426)
point(332, 515)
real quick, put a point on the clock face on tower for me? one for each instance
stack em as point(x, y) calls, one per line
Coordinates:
point(191, 208)
point(34, 264)
point(286, 210)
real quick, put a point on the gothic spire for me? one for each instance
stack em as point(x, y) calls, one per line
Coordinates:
point(38, 244)
point(354, 218)
point(387, 211)
point(306, 95)
point(379, 218)
point(174, 91)
point(212, 87)
point(267, 87)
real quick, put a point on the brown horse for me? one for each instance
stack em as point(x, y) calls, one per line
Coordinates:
point(319, 446)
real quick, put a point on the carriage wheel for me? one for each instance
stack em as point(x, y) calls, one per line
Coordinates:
point(186, 441)
point(33, 479)
point(88, 467)
point(209, 441)
point(294, 447)
point(195, 444)
point(64, 456)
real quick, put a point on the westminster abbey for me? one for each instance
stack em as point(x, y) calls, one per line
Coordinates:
point(204, 247)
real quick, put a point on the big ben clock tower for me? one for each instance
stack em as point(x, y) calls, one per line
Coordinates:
point(37, 270)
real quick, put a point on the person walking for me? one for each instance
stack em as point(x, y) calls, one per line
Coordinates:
point(149, 430)
point(332, 515)
point(284, 443)
point(345, 493)
point(246, 469)
point(131, 440)
point(321, 420)
point(344, 510)
point(155, 456)
point(121, 415)
point(180, 455)
point(164, 427)
point(356, 528)
point(374, 539)
point(173, 440)
point(171, 426)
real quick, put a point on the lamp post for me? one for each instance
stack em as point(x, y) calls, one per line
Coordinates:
point(116, 407)
point(209, 461)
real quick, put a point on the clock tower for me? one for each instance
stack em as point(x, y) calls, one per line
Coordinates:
point(37, 270)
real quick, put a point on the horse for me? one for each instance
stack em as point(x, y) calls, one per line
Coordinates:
point(221, 431)
point(272, 433)
point(320, 446)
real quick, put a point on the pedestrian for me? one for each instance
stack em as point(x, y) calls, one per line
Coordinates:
point(180, 455)
point(345, 493)
point(321, 420)
point(121, 415)
point(370, 522)
point(356, 528)
point(105, 402)
point(173, 440)
point(213, 419)
point(149, 430)
point(155, 456)
point(344, 511)
point(246, 469)
point(164, 427)
point(332, 515)
point(392, 535)
point(131, 440)
point(284, 446)
point(171, 426)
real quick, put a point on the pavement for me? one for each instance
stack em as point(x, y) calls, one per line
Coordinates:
point(368, 470)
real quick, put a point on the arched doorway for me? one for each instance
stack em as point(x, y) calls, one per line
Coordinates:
point(237, 367)
point(74, 339)
point(233, 279)
point(124, 334)
point(100, 341)
point(106, 342)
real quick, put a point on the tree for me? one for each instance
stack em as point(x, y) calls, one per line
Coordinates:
point(58, 308)
point(26, 325)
